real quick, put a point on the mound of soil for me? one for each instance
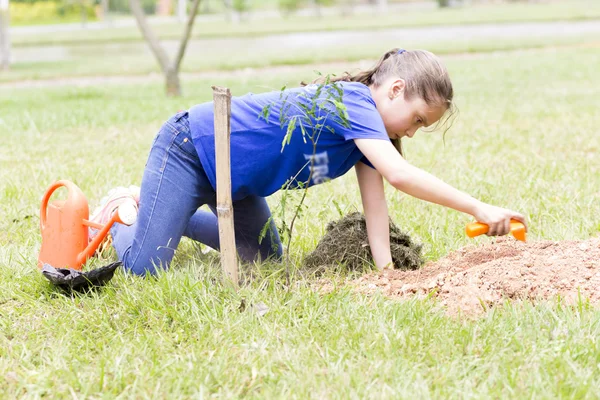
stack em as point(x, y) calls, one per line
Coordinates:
point(476, 277)
point(345, 242)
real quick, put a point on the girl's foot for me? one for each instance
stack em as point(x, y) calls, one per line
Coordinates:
point(120, 199)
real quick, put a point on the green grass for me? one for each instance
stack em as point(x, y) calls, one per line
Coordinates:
point(131, 59)
point(183, 337)
point(527, 138)
point(572, 10)
point(121, 51)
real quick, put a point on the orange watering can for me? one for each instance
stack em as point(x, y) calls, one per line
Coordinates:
point(517, 229)
point(64, 225)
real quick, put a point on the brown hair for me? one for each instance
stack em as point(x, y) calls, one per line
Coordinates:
point(424, 74)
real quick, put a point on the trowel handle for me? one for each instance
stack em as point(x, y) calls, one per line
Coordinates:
point(517, 229)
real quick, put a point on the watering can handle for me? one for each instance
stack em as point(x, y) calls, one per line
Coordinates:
point(47, 196)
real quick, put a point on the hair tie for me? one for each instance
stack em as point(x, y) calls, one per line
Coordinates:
point(400, 51)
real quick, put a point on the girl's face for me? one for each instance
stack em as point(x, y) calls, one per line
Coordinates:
point(402, 117)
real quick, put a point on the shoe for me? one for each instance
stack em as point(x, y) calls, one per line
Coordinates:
point(122, 200)
point(135, 193)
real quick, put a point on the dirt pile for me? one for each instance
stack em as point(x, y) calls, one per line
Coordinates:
point(345, 242)
point(477, 277)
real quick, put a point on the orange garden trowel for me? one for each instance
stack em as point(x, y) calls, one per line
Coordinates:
point(517, 229)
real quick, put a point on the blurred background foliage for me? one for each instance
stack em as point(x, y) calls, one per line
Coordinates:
point(34, 12)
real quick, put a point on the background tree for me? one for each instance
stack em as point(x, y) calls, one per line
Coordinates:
point(104, 11)
point(182, 10)
point(288, 7)
point(83, 11)
point(237, 10)
point(4, 38)
point(169, 68)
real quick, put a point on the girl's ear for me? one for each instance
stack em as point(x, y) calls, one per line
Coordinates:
point(396, 88)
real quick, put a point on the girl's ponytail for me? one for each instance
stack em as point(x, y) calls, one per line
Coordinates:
point(364, 77)
point(424, 74)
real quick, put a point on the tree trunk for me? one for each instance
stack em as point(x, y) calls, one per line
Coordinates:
point(170, 70)
point(186, 35)
point(172, 83)
point(105, 7)
point(151, 38)
point(232, 14)
point(317, 8)
point(181, 10)
point(346, 8)
point(4, 37)
point(83, 4)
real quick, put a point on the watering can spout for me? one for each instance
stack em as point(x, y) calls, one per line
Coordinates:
point(125, 214)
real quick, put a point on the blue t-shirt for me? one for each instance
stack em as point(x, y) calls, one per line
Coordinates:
point(261, 165)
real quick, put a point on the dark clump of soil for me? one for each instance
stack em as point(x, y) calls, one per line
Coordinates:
point(475, 278)
point(345, 242)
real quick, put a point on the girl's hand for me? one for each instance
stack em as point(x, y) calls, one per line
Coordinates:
point(497, 218)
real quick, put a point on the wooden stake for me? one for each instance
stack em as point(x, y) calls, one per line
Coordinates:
point(222, 110)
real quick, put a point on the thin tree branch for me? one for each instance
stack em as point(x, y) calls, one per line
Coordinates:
point(157, 49)
point(186, 35)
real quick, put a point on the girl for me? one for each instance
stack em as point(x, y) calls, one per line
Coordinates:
point(404, 91)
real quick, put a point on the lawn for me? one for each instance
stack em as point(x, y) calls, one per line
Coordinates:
point(217, 45)
point(258, 25)
point(527, 138)
point(135, 58)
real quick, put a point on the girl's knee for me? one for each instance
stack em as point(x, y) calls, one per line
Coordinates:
point(144, 267)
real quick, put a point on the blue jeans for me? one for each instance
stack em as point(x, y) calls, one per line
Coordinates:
point(174, 186)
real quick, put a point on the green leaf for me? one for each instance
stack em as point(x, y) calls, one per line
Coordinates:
point(266, 111)
point(288, 135)
point(265, 228)
point(304, 133)
point(338, 208)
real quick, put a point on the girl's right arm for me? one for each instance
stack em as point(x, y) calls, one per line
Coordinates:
point(420, 184)
point(375, 209)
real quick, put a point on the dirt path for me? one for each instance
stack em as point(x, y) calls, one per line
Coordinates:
point(129, 21)
point(85, 81)
point(333, 67)
point(298, 41)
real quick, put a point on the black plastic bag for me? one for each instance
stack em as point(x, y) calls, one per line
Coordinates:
point(71, 279)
